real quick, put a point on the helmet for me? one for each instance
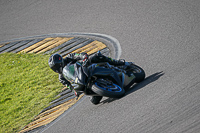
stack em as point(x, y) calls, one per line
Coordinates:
point(56, 63)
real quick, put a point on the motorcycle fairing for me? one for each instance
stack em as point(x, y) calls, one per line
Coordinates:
point(108, 73)
point(128, 80)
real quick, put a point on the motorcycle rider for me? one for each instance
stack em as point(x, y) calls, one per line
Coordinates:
point(57, 63)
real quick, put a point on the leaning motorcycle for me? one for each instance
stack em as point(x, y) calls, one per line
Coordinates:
point(103, 79)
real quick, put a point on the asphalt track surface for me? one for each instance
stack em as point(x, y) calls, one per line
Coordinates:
point(162, 36)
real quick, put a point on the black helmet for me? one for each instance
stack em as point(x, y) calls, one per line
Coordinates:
point(56, 63)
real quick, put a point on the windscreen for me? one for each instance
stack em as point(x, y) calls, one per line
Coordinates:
point(69, 72)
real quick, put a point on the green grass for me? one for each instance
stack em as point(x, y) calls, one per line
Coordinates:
point(27, 85)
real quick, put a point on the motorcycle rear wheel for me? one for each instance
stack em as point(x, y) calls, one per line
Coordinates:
point(138, 72)
point(107, 89)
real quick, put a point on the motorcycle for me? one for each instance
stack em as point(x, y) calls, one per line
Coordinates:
point(102, 79)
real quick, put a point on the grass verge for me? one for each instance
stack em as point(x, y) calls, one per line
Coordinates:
point(27, 85)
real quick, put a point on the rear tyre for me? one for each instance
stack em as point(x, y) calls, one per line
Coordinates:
point(106, 88)
point(138, 72)
point(96, 99)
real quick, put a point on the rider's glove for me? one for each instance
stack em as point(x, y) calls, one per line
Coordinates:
point(85, 63)
point(85, 57)
point(69, 87)
point(85, 60)
point(121, 62)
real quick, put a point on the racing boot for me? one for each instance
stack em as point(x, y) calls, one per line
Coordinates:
point(96, 99)
point(77, 93)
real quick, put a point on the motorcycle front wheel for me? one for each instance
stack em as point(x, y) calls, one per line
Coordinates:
point(106, 88)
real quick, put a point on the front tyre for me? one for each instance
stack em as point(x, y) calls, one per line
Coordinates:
point(106, 88)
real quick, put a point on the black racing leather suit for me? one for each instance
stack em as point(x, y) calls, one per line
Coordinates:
point(96, 58)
